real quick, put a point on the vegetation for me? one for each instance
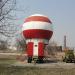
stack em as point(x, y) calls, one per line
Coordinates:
point(69, 56)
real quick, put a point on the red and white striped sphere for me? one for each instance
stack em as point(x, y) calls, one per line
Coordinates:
point(37, 26)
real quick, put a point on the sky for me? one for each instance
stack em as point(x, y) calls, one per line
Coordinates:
point(60, 12)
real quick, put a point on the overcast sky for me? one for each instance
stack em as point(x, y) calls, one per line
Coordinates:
point(61, 13)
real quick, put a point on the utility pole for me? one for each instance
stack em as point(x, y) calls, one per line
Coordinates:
point(65, 43)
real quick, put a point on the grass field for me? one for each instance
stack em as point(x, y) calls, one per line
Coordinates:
point(7, 69)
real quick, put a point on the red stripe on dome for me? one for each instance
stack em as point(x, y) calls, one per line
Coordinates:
point(37, 18)
point(37, 33)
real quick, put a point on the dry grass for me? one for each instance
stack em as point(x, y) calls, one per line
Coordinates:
point(7, 69)
point(34, 71)
point(15, 70)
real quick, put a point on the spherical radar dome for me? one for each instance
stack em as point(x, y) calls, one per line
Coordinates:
point(37, 26)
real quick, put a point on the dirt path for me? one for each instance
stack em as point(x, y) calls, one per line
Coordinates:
point(47, 65)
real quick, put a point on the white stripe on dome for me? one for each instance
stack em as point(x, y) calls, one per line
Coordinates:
point(38, 15)
point(37, 25)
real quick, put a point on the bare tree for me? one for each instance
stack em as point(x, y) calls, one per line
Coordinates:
point(6, 18)
point(20, 43)
point(3, 45)
point(8, 22)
